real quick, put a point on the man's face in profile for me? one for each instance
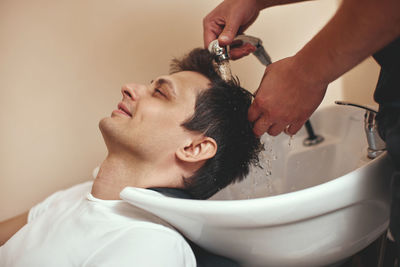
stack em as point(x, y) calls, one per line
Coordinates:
point(148, 119)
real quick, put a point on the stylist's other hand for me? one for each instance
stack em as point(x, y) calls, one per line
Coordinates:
point(228, 19)
point(286, 98)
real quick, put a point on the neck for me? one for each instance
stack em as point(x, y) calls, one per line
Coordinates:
point(117, 172)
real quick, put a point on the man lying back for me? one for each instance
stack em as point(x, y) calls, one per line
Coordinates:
point(187, 130)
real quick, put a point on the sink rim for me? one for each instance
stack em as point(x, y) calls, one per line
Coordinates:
point(282, 208)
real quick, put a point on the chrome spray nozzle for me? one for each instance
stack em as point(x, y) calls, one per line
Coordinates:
point(221, 59)
point(221, 53)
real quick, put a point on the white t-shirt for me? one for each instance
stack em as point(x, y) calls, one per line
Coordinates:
point(73, 228)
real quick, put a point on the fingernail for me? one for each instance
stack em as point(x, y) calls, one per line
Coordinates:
point(224, 38)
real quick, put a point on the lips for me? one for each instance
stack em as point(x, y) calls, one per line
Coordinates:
point(122, 107)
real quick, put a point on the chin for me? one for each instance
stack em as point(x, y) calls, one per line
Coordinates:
point(103, 123)
point(112, 135)
point(106, 128)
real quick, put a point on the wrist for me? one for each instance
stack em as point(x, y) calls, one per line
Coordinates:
point(262, 4)
point(311, 69)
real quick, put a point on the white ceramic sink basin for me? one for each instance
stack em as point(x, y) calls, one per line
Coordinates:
point(318, 206)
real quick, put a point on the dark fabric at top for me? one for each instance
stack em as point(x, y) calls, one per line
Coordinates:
point(387, 91)
point(387, 94)
point(204, 258)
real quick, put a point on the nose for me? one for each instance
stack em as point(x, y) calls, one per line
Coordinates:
point(132, 91)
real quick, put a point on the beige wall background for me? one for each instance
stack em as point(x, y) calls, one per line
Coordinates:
point(62, 64)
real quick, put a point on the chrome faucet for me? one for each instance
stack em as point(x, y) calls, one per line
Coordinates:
point(375, 143)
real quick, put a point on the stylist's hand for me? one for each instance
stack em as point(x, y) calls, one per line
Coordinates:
point(228, 19)
point(286, 98)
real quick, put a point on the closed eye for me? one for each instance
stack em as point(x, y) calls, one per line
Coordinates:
point(127, 93)
point(159, 92)
point(165, 88)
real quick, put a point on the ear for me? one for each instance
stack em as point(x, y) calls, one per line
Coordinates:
point(197, 150)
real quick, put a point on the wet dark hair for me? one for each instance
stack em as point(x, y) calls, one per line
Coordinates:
point(220, 113)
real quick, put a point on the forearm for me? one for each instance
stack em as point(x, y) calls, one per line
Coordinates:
point(9, 227)
point(357, 30)
point(262, 4)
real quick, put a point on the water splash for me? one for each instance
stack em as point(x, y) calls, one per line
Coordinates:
point(290, 144)
point(260, 180)
point(224, 70)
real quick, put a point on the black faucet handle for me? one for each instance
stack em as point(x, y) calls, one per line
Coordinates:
point(355, 105)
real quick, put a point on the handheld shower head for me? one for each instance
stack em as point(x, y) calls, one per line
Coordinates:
point(221, 59)
point(222, 55)
point(260, 52)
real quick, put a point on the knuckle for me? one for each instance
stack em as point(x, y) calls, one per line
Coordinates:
point(260, 102)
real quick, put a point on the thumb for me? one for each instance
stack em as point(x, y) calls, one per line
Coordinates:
point(228, 34)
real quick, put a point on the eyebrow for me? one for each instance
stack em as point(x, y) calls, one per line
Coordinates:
point(169, 83)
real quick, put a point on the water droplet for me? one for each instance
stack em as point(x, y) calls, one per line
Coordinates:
point(290, 141)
